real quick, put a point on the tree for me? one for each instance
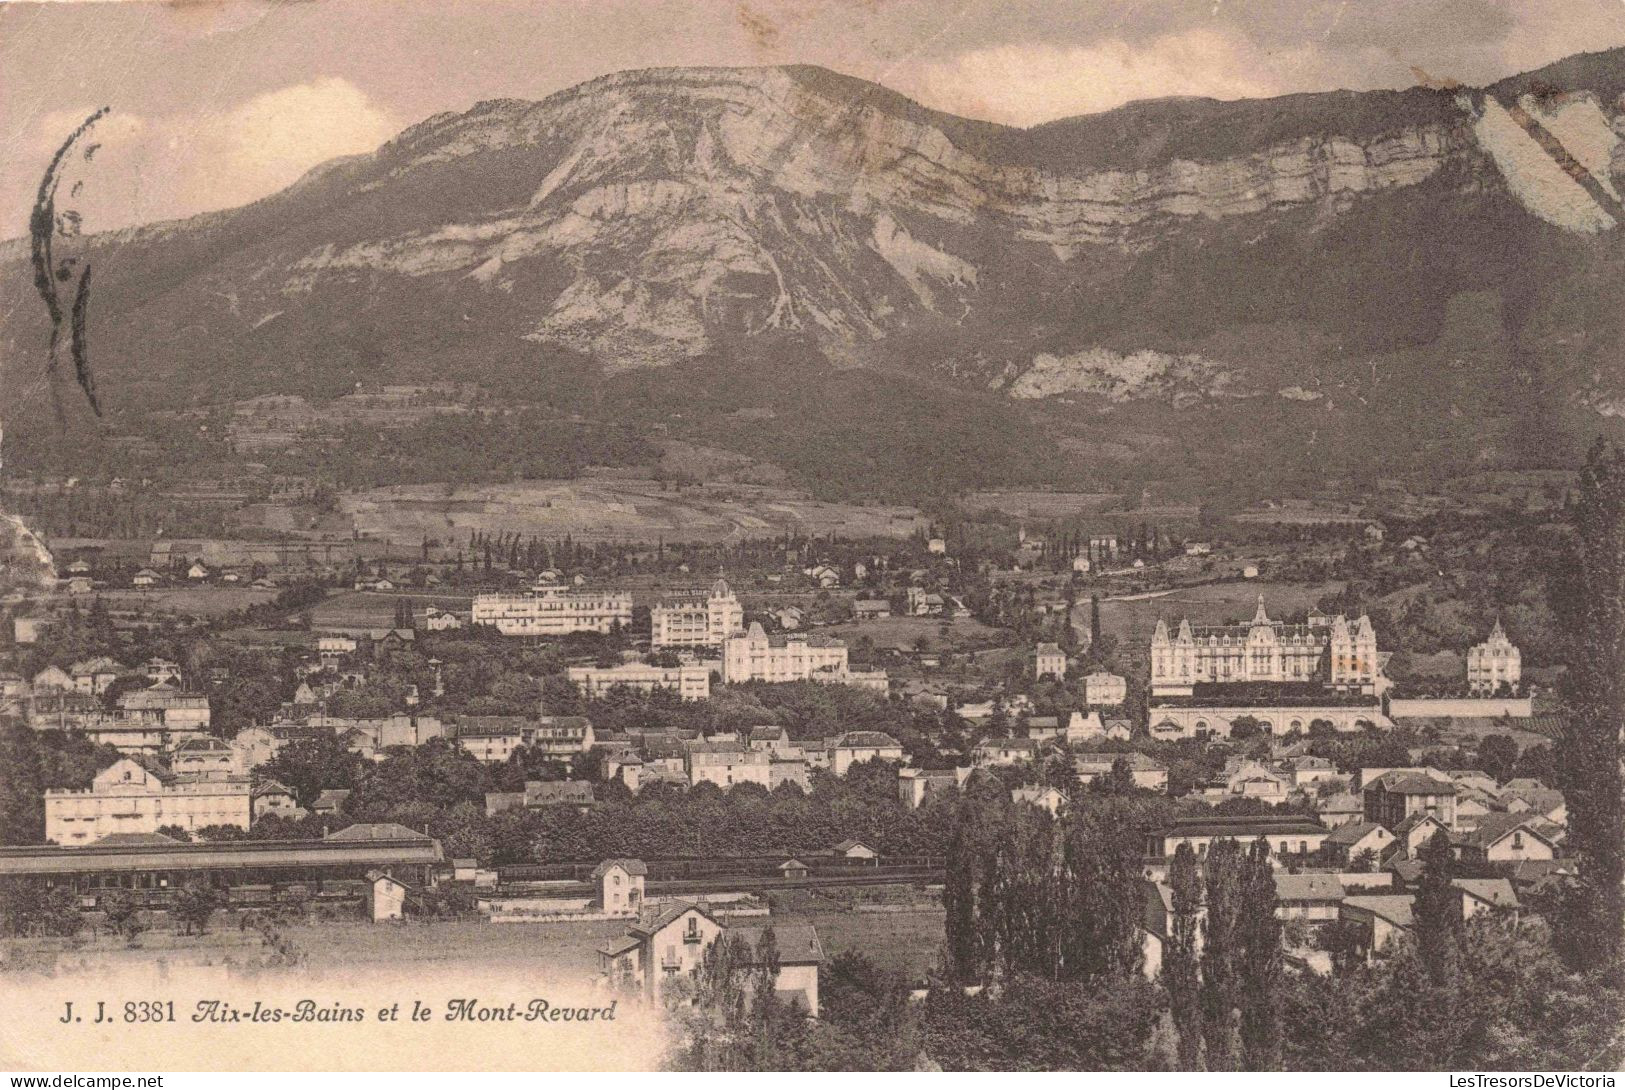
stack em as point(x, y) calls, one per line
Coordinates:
point(28, 907)
point(1437, 912)
point(1591, 601)
point(1033, 1024)
point(195, 903)
point(123, 914)
point(22, 813)
point(312, 764)
point(1498, 755)
point(1260, 939)
point(1245, 727)
point(1220, 990)
point(1181, 974)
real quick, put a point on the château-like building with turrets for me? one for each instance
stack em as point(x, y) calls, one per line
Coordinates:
point(1334, 651)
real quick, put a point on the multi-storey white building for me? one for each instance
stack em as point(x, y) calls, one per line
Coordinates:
point(862, 745)
point(1493, 663)
point(697, 621)
point(692, 682)
point(726, 764)
point(756, 656)
point(1333, 651)
point(1104, 689)
point(1049, 661)
point(552, 610)
point(175, 709)
point(131, 797)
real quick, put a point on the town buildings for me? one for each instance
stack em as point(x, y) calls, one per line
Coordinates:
point(691, 681)
point(1103, 689)
point(670, 944)
point(1394, 796)
point(756, 656)
point(1206, 714)
point(550, 609)
point(620, 885)
point(914, 785)
point(1494, 663)
point(697, 621)
point(862, 745)
point(132, 796)
point(1284, 834)
point(1145, 772)
point(1049, 661)
point(727, 763)
point(1336, 652)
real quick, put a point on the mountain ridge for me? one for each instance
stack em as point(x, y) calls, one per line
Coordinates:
point(793, 217)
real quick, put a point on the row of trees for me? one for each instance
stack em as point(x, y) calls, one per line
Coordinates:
point(1222, 967)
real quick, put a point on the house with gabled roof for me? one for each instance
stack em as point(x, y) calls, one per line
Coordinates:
point(1003, 751)
point(1249, 779)
point(1472, 803)
point(1416, 831)
point(663, 946)
point(1394, 796)
point(670, 944)
point(1535, 802)
point(330, 801)
point(1346, 843)
point(1045, 798)
point(1505, 838)
point(94, 675)
point(1378, 919)
point(386, 896)
point(1146, 772)
point(915, 784)
point(769, 737)
point(1340, 809)
point(205, 755)
point(862, 745)
point(1310, 896)
point(1485, 895)
point(274, 797)
point(619, 885)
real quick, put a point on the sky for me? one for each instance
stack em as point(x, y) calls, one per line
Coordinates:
point(215, 103)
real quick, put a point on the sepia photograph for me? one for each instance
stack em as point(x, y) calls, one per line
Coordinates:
point(678, 536)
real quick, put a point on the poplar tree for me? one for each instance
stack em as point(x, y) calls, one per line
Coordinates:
point(1181, 975)
point(1592, 604)
point(1220, 990)
point(1260, 935)
point(1437, 912)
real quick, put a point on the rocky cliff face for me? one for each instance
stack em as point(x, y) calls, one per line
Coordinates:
point(1174, 251)
point(680, 200)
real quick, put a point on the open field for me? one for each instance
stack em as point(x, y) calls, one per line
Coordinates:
point(614, 509)
point(1036, 504)
point(909, 942)
point(192, 601)
point(558, 952)
point(370, 609)
point(1132, 621)
point(901, 632)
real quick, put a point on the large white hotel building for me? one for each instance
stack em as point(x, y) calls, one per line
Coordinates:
point(552, 610)
point(697, 621)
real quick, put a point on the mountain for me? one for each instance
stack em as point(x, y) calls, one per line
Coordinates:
point(880, 297)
